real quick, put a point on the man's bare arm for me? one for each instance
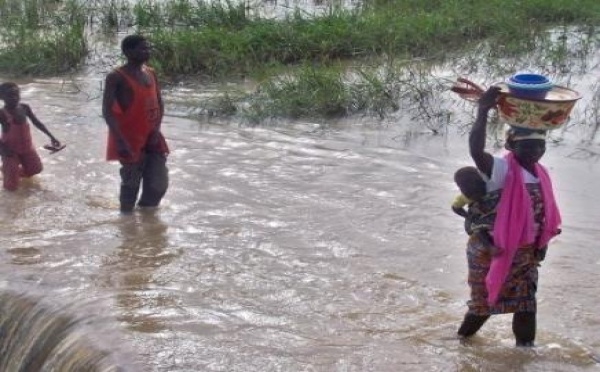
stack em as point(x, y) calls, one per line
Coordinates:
point(109, 97)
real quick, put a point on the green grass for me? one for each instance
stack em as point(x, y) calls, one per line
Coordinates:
point(221, 40)
point(404, 28)
point(41, 37)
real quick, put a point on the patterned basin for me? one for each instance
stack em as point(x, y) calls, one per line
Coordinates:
point(549, 113)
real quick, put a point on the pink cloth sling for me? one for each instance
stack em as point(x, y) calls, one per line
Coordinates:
point(514, 225)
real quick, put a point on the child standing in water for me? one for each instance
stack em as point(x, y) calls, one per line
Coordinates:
point(19, 158)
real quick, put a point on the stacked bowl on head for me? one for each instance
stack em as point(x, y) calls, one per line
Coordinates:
point(529, 86)
point(532, 101)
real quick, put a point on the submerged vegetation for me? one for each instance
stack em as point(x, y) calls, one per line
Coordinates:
point(344, 60)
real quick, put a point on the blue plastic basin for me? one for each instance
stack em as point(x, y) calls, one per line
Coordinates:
point(529, 79)
point(530, 86)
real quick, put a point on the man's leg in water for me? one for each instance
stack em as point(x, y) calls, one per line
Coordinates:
point(131, 178)
point(155, 180)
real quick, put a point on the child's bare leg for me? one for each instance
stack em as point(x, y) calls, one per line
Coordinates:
point(31, 164)
point(10, 172)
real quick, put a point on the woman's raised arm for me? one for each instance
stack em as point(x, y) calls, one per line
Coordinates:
point(483, 160)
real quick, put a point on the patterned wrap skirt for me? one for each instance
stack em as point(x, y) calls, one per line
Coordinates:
point(518, 292)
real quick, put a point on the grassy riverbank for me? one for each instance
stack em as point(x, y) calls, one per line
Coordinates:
point(217, 39)
point(222, 40)
point(227, 40)
point(40, 37)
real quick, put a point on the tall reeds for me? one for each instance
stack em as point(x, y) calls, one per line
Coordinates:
point(230, 39)
point(219, 38)
point(41, 37)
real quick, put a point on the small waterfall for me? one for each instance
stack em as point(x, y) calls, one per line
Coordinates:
point(38, 337)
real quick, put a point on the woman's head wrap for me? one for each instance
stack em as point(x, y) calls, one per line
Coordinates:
point(518, 134)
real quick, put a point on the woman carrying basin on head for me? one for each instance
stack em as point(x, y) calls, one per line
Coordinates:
point(526, 219)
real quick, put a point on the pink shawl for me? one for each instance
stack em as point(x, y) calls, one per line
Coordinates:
point(514, 225)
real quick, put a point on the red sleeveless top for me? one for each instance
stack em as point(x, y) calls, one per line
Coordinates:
point(18, 137)
point(138, 121)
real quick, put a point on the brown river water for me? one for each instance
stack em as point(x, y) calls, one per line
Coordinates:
point(296, 247)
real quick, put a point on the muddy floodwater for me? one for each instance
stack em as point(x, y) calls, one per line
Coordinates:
point(296, 247)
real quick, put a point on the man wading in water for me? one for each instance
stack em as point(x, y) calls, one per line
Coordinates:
point(133, 109)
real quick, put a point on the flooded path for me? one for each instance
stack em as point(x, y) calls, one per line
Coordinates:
point(290, 248)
